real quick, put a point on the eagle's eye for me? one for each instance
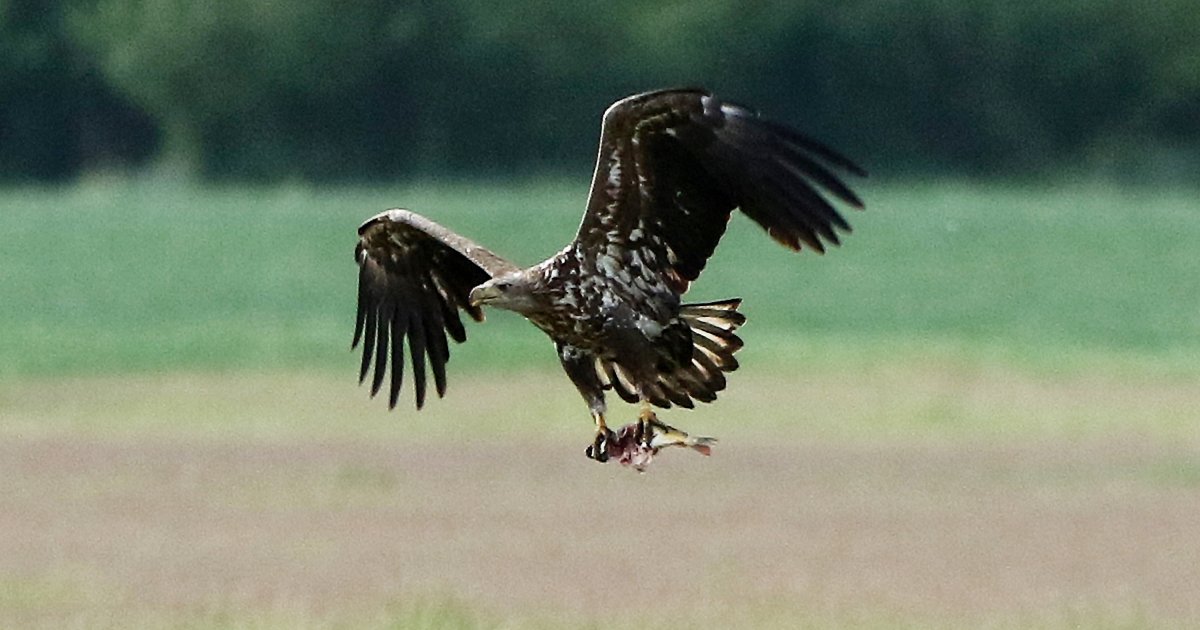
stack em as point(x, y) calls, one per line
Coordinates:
point(503, 286)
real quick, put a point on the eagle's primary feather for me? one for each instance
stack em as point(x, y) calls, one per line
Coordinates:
point(414, 278)
point(671, 168)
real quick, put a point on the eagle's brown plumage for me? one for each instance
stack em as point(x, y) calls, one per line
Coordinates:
point(672, 167)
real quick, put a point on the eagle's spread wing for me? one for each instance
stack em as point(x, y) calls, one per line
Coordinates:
point(414, 276)
point(674, 164)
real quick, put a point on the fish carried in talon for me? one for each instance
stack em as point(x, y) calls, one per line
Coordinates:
point(631, 448)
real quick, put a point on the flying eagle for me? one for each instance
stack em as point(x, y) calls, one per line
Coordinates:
point(672, 167)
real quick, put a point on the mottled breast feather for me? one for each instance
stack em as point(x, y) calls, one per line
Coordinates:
point(414, 278)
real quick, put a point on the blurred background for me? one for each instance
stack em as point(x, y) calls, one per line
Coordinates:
point(254, 90)
point(980, 411)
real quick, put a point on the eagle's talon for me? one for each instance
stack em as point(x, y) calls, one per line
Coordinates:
point(599, 448)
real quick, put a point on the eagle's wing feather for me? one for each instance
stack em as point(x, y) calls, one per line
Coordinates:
point(414, 279)
point(674, 164)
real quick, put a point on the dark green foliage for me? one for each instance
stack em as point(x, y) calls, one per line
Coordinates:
point(320, 90)
point(57, 113)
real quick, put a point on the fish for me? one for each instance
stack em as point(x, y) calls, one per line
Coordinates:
point(628, 450)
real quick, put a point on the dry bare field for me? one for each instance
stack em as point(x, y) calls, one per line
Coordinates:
point(937, 497)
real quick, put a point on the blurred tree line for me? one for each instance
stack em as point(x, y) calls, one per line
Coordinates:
point(336, 90)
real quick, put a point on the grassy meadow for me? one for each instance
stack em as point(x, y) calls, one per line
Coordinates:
point(117, 278)
point(980, 410)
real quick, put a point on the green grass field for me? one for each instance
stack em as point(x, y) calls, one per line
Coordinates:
point(139, 278)
point(979, 412)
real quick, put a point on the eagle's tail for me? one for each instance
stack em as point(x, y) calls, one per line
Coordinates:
point(714, 340)
point(714, 326)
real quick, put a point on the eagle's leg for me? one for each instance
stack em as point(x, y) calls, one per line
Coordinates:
point(645, 432)
point(580, 366)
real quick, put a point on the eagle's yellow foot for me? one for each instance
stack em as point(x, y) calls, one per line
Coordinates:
point(599, 448)
point(645, 425)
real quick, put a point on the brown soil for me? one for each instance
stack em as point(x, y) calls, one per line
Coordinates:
point(936, 532)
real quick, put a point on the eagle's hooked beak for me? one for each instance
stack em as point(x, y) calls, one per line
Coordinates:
point(483, 294)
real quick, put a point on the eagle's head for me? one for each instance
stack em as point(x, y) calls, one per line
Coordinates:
point(511, 291)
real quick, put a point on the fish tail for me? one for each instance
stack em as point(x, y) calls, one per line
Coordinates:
point(666, 435)
point(702, 445)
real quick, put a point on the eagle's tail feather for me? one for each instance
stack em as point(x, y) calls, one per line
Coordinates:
point(714, 341)
point(713, 327)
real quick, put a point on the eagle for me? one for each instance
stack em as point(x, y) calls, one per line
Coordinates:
point(672, 167)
